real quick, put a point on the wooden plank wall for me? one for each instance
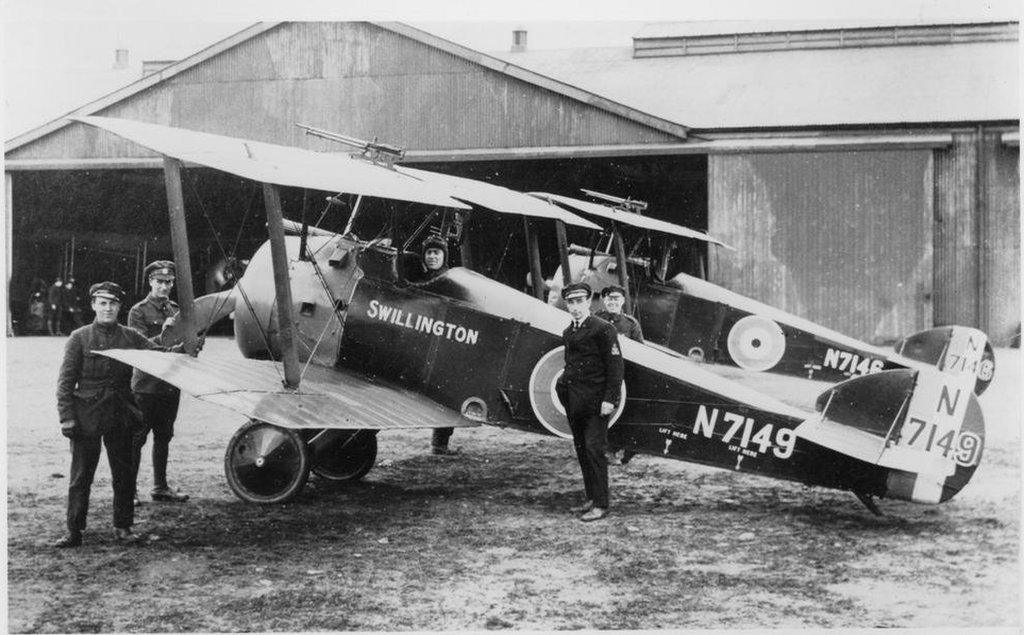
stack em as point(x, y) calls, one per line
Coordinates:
point(354, 78)
point(840, 238)
point(977, 234)
point(956, 233)
point(1000, 314)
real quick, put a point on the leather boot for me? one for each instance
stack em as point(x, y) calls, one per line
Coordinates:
point(70, 539)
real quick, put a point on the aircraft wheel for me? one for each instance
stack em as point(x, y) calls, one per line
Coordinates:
point(265, 463)
point(343, 455)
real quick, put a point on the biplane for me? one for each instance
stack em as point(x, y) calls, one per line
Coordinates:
point(340, 343)
point(709, 323)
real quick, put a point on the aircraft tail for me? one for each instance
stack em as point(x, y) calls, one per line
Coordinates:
point(957, 350)
point(924, 428)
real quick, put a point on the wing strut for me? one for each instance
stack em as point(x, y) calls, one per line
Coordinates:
point(179, 243)
point(533, 249)
point(563, 251)
point(279, 259)
point(620, 257)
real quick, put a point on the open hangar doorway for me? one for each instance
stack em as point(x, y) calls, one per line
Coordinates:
point(98, 225)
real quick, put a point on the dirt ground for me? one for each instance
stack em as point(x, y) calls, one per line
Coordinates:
point(483, 541)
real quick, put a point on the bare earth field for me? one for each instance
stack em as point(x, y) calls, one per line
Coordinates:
point(483, 541)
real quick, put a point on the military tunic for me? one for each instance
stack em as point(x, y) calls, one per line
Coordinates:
point(593, 374)
point(625, 324)
point(95, 392)
point(148, 317)
point(157, 399)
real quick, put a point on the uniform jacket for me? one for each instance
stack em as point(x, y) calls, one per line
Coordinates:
point(95, 390)
point(625, 324)
point(147, 317)
point(593, 360)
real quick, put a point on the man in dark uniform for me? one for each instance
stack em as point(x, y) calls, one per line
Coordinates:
point(157, 399)
point(55, 306)
point(613, 297)
point(589, 389)
point(96, 406)
point(72, 304)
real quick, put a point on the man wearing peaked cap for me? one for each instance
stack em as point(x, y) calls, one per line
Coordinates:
point(589, 389)
point(107, 290)
point(577, 290)
point(97, 409)
point(613, 296)
point(163, 268)
point(157, 399)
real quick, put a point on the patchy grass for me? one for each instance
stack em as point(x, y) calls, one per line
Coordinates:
point(483, 541)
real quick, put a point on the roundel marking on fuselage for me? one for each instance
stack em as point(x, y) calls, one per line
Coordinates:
point(544, 400)
point(756, 343)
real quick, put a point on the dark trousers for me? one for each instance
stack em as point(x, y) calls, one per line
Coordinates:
point(85, 456)
point(590, 438)
point(441, 436)
point(158, 415)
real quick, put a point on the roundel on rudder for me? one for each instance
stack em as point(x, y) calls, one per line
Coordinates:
point(756, 343)
point(544, 400)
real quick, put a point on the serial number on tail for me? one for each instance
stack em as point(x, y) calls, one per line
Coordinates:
point(851, 364)
point(971, 365)
point(964, 446)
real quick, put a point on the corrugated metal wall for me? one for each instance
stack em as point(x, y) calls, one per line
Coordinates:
point(1001, 315)
point(358, 79)
point(956, 233)
point(977, 203)
point(843, 239)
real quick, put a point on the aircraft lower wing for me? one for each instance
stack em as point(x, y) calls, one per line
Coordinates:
point(329, 398)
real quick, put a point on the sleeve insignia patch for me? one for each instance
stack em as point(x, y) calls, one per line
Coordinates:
point(615, 349)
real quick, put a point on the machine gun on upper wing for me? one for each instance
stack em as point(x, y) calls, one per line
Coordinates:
point(362, 348)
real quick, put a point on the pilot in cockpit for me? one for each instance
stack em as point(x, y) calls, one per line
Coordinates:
point(435, 258)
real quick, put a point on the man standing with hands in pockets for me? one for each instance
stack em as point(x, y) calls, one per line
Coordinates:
point(589, 389)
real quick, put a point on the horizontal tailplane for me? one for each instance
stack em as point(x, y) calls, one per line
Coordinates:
point(923, 427)
point(957, 350)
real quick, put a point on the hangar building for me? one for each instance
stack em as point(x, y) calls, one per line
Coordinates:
point(867, 173)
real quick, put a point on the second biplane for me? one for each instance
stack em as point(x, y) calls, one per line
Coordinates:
point(340, 344)
point(709, 323)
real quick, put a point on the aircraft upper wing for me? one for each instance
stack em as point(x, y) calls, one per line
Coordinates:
point(497, 198)
point(277, 164)
point(627, 218)
point(329, 398)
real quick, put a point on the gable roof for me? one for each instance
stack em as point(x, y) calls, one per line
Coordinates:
point(488, 61)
